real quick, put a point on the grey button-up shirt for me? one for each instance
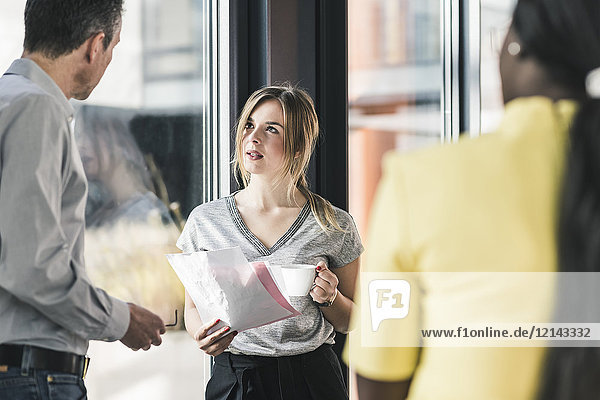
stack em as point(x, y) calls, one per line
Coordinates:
point(46, 297)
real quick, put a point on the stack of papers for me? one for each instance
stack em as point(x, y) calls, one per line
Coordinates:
point(224, 285)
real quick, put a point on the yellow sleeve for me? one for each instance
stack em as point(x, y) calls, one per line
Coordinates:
point(388, 352)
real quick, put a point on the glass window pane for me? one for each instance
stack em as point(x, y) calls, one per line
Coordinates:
point(395, 85)
point(495, 20)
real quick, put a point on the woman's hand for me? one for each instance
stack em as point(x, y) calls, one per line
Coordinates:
point(336, 288)
point(325, 286)
point(215, 343)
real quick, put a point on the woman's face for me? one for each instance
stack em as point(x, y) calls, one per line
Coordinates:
point(89, 158)
point(95, 157)
point(262, 143)
point(510, 65)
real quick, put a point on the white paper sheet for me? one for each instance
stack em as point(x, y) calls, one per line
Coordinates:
point(224, 285)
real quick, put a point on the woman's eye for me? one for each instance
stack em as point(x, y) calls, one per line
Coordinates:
point(272, 130)
point(248, 125)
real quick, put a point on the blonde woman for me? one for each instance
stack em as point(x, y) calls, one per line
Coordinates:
point(276, 218)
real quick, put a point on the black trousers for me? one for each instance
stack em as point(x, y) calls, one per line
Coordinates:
point(316, 375)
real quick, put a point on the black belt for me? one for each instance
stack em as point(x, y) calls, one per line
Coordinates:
point(45, 359)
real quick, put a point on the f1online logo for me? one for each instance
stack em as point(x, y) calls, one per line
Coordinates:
point(389, 299)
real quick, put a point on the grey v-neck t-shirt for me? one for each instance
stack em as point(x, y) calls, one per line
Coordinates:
point(218, 224)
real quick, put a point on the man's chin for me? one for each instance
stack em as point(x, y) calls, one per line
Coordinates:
point(83, 90)
point(82, 95)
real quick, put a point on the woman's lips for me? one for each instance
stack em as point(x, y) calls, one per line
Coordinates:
point(254, 155)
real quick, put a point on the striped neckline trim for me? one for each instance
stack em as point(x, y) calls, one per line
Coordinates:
point(241, 225)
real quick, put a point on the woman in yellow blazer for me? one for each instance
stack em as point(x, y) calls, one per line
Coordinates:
point(496, 203)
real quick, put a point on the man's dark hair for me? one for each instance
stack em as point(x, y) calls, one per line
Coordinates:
point(57, 27)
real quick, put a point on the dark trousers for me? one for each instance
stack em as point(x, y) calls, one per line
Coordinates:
point(21, 380)
point(316, 375)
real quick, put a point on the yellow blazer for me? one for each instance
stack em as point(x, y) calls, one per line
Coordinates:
point(483, 204)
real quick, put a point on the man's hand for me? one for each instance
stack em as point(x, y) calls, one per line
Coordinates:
point(144, 329)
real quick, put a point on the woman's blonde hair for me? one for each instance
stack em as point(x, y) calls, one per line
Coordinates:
point(300, 133)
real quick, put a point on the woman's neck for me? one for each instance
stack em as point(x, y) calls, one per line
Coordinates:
point(122, 185)
point(265, 195)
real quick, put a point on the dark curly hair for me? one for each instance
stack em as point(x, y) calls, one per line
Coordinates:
point(564, 35)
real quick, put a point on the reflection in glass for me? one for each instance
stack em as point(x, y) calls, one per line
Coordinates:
point(120, 186)
point(395, 84)
point(128, 228)
point(495, 21)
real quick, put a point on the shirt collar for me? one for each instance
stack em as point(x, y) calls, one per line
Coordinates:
point(547, 115)
point(30, 70)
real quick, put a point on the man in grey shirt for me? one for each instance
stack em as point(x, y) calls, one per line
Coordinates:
point(49, 310)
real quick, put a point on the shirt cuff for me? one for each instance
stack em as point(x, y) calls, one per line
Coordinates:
point(117, 324)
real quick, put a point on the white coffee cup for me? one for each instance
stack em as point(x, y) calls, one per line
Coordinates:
point(298, 278)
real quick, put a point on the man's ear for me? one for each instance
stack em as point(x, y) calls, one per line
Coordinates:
point(94, 46)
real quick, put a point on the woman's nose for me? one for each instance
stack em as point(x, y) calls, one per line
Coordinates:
point(255, 136)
